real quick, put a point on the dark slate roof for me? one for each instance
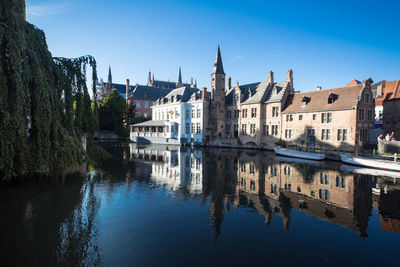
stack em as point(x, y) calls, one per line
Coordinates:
point(166, 84)
point(149, 92)
point(218, 68)
point(247, 90)
point(259, 92)
point(181, 94)
point(121, 88)
point(277, 92)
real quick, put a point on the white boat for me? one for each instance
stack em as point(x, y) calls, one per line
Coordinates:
point(369, 171)
point(298, 154)
point(372, 163)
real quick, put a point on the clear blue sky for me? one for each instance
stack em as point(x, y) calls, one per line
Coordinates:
point(326, 43)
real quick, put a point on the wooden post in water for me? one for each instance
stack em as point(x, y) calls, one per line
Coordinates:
point(395, 157)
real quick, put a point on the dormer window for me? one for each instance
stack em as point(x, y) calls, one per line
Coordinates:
point(236, 98)
point(305, 101)
point(332, 98)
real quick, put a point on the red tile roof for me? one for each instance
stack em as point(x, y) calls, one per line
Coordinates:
point(391, 91)
point(344, 98)
point(353, 82)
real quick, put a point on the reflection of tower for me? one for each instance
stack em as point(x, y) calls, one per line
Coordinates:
point(285, 207)
point(216, 215)
point(266, 207)
point(362, 203)
point(219, 185)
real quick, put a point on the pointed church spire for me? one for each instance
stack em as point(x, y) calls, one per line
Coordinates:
point(109, 75)
point(152, 79)
point(218, 68)
point(179, 83)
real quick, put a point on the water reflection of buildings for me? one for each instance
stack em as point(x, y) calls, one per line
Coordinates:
point(321, 192)
point(176, 168)
point(387, 202)
point(268, 184)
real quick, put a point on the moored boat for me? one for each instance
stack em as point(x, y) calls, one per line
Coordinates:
point(369, 162)
point(369, 171)
point(298, 154)
point(309, 162)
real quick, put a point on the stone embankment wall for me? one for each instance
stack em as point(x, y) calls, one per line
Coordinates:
point(389, 147)
point(108, 136)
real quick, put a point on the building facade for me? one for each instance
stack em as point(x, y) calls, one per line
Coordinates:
point(388, 107)
point(178, 118)
point(267, 113)
point(333, 119)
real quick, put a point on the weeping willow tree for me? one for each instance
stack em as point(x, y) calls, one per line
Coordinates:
point(45, 105)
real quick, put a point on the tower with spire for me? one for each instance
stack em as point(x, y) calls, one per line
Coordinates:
point(217, 114)
point(109, 75)
point(179, 82)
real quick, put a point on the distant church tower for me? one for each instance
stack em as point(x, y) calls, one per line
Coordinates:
point(179, 83)
point(109, 75)
point(108, 86)
point(217, 115)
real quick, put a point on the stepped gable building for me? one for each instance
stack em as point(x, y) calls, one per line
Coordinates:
point(339, 118)
point(266, 113)
point(247, 114)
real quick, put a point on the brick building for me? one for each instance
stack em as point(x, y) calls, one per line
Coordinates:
point(142, 96)
point(265, 113)
point(245, 114)
point(338, 118)
point(388, 106)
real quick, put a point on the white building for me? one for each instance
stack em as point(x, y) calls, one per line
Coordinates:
point(178, 118)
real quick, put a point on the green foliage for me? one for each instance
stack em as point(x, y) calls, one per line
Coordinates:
point(39, 128)
point(97, 154)
point(123, 133)
point(137, 120)
point(281, 143)
point(112, 112)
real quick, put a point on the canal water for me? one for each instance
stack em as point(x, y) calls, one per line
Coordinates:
point(153, 205)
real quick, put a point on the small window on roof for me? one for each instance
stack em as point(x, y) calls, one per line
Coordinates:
point(332, 98)
point(304, 101)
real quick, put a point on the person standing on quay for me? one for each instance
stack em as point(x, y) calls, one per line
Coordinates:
point(392, 137)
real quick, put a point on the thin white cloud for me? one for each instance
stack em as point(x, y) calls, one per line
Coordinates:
point(238, 57)
point(45, 10)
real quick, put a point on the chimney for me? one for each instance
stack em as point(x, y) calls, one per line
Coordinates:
point(289, 77)
point(270, 77)
point(229, 83)
point(379, 90)
point(319, 88)
point(204, 93)
point(127, 89)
